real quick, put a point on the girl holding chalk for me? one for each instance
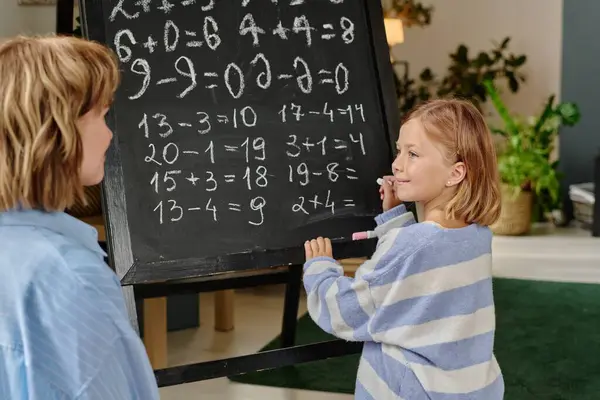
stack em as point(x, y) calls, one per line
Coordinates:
point(65, 333)
point(423, 304)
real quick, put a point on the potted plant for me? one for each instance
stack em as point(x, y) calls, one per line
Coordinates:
point(527, 172)
point(464, 76)
point(411, 12)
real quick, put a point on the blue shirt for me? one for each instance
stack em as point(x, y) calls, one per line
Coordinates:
point(64, 331)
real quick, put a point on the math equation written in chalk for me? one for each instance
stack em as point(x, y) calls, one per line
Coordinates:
point(247, 112)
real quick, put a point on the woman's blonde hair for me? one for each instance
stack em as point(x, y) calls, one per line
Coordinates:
point(46, 85)
point(460, 128)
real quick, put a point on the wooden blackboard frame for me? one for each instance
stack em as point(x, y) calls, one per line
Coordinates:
point(113, 188)
point(168, 278)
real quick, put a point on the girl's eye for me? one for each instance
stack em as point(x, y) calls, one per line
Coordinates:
point(412, 154)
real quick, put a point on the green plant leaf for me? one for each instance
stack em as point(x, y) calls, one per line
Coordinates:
point(519, 61)
point(546, 113)
point(549, 126)
point(511, 128)
point(569, 112)
point(489, 75)
point(426, 75)
point(462, 55)
point(516, 61)
point(515, 141)
point(483, 59)
point(513, 83)
point(499, 132)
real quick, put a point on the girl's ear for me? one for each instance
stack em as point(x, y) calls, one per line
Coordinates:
point(457, 174)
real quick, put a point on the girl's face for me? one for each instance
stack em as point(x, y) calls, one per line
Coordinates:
point(422, 172)
point(95, 138)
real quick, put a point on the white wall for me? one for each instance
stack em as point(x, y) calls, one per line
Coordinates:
point(535, 27)
point(16, 19)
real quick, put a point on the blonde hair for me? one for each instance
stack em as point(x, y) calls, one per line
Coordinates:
point(46, 85)
point(460, 128)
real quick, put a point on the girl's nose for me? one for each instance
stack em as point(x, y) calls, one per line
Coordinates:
point(397, 165)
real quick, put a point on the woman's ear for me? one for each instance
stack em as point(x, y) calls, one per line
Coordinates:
point(457, 174)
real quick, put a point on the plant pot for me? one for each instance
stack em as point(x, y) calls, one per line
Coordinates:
point(515, 217)
point(94, 206)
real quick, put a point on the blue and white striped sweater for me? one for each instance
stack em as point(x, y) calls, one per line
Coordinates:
point(423, 305)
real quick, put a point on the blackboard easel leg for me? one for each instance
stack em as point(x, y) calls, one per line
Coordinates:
point(290, 307)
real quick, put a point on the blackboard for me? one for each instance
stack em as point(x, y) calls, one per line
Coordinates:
point(242, 128)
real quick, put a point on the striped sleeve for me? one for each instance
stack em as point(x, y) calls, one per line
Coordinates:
point(343, 306)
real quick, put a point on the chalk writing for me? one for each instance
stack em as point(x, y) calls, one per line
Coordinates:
point(242, 117)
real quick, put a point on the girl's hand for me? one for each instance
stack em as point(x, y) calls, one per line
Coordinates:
point(387, 194)
point(320, 247)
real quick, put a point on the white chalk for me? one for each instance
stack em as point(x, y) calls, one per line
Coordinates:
point(380, 181)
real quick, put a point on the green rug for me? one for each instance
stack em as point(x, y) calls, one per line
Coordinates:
point(547, 344)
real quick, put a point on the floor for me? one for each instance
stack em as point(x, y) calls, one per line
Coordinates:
point(548, 254)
